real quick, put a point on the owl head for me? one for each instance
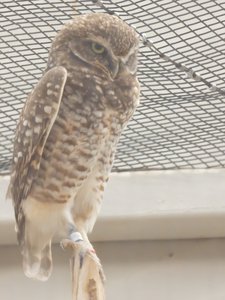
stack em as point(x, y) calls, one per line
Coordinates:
point(101, 42)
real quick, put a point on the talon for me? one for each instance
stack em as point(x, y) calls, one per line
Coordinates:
point(67, 243)
point(92, 251)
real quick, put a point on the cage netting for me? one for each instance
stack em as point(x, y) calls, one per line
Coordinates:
point(180, 123)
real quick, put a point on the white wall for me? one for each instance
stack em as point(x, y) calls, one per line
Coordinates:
point(163, 270)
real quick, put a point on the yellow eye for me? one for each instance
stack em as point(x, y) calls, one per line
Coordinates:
point(97, 48)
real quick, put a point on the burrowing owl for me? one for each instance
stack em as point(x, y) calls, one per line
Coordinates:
point(67, 134)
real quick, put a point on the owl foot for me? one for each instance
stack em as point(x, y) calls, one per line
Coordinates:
point(85, 250)
point(83, 247)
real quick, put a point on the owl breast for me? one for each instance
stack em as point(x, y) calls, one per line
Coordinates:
point(85, 133)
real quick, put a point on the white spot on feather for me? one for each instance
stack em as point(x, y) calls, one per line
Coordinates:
point(37, 129)
point(20, 154)
point(98, 114)
point(28, 133)
point(38, 119)
point(47, 109)
point(111, 92)
point(98, 88)
point(49, 92)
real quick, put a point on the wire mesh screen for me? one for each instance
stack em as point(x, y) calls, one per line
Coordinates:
point(179, 123)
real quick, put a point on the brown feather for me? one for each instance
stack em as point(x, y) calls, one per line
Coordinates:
point(41, 109)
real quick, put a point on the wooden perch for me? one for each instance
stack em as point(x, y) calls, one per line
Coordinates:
point(87, 273)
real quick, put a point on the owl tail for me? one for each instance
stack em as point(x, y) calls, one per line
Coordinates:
point(38, 264)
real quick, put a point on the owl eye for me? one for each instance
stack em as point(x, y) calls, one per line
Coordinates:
point(97, 48)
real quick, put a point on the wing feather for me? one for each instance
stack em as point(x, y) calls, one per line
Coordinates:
point(34, 126)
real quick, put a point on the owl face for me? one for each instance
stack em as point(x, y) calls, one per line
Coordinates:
point(99, 41)
point(96, 53)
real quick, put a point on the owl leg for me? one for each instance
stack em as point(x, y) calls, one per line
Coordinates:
point(77, 236)
point(78, 241)
point(88, 247)
point(73, 237)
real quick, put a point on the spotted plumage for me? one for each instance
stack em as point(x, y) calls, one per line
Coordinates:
point(68, 131)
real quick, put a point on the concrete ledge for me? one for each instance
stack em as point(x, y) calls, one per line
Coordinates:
point(150, 205)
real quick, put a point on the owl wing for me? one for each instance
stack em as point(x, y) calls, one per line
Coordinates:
point(35, 123)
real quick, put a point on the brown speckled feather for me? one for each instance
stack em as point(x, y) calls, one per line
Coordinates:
point(41, 109)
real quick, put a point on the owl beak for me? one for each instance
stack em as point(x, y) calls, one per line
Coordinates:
point(129, 64)
point(114, 68)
